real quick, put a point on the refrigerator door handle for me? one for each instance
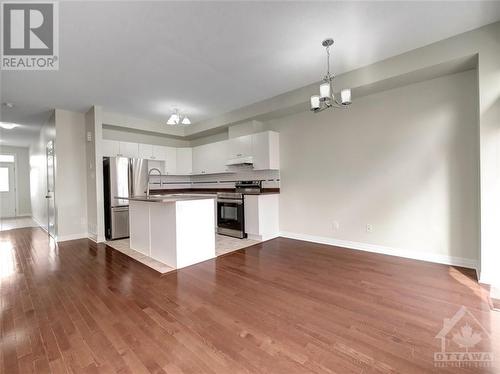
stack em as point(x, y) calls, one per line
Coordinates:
point(130, 177)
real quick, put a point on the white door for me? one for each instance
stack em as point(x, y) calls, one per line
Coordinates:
point(7, 190)
point(51, 191)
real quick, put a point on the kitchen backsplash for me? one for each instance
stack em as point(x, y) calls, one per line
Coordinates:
point(270, 179)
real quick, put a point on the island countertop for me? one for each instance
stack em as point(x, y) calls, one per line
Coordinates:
point(168, 198)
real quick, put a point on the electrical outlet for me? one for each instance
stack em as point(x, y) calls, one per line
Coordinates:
point(336, 226)
point(369, 227)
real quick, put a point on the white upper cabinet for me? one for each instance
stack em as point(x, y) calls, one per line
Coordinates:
point(110, 148)
point(210, 158)
point(200, 160)
point(205, 159)
point(266, 151)
point(153, 152)
point(130, 150)
point(239, 147)
point(159, 152)
point(146, 151)
point(170, 157)
point(113, 148)
point(184, 161)
point(217, 153)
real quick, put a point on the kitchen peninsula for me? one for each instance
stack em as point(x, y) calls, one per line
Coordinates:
point(177, 230)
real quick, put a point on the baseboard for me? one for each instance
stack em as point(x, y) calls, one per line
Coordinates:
point(44, 228)
point(429, 257)
point(92, 237)
point(262, 238)
point(24, 215)
point(490, 279)
point(64, 238)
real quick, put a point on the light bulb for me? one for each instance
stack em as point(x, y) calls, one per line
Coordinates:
point(172, 120)
point(314, 102)
point(345, 96)
point(325, 91)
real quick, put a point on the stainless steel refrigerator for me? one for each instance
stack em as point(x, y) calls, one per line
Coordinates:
point(123, 177)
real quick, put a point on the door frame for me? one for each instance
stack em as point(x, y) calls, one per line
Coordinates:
point(54, 167)
point(16, 197)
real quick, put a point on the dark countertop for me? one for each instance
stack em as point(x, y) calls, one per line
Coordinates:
point(265, 191)
point(170, 198)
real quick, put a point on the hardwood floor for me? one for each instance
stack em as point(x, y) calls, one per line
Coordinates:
point(283, 306)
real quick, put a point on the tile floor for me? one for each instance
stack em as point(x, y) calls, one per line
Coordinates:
point(16, 223)
point(223, 245)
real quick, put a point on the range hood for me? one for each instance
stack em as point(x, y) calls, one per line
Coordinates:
point(240, 161)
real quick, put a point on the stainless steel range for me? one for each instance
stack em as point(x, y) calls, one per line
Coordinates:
point(231, 209)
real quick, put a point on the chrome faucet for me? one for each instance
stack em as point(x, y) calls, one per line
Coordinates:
point(149, 177)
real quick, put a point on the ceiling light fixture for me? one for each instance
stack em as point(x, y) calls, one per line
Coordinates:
point(176, 117)
point(8, 125)
point(326, 98)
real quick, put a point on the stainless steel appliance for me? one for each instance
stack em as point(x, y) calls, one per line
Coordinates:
point(249, 187)
point(230, 214)
point(123, 177)
point(231, 208)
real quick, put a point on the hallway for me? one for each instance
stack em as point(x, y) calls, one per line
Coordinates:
point(16, 223)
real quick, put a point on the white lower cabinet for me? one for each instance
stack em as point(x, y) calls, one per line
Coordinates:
point(262, 216)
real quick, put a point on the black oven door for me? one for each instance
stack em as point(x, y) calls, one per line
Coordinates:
point(230, 218)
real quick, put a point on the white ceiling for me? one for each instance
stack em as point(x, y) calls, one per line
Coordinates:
point(208, 58)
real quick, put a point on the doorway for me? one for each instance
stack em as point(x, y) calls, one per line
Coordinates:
point(8, 187)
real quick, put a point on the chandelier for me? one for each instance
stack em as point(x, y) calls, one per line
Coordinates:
point(326, 98)
point(176, 117)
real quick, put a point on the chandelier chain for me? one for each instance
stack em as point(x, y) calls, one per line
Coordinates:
point(328, 62)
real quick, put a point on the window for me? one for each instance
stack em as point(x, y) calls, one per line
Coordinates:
point(4, 179)
point(6, 158)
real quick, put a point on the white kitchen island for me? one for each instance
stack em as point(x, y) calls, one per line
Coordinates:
point(177, 230)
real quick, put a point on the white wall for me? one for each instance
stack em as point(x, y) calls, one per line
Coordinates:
point(21, 154)
point(38, 172)
point(404, 161)
point(71, 187)
point(94, 174)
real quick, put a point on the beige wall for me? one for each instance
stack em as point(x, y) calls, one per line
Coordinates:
point(71, 191)
point(404, 161)
point(23, 203)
